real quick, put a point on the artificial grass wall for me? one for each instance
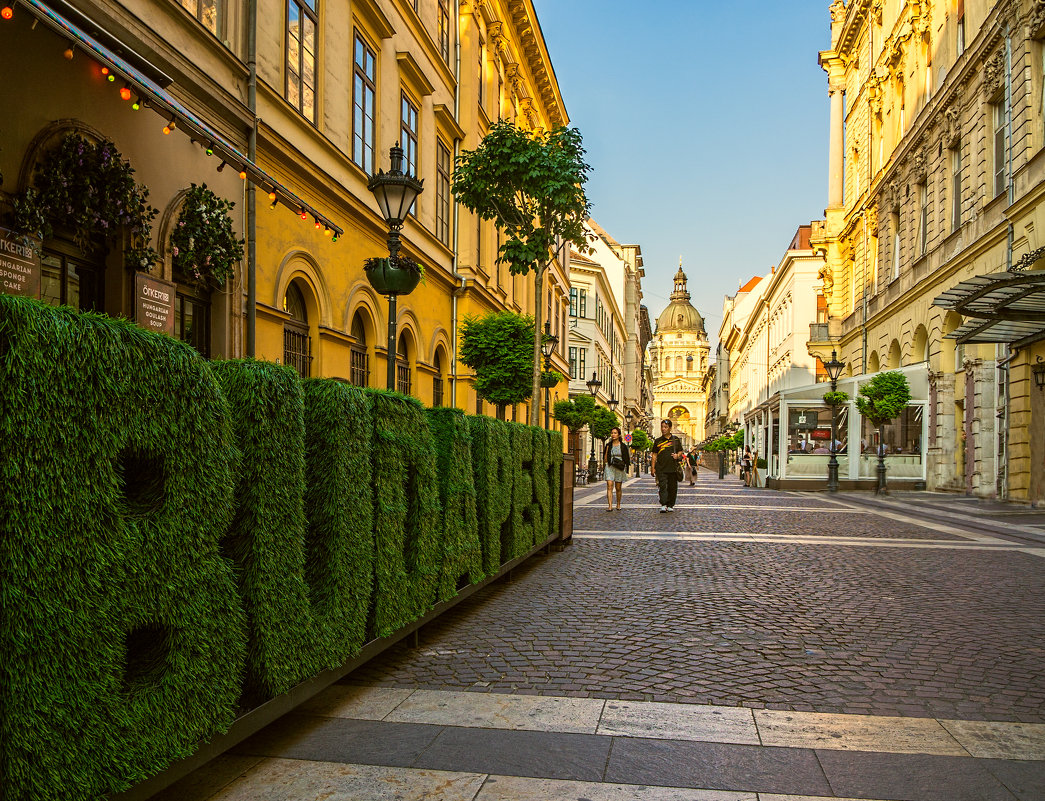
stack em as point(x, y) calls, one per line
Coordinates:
point(339, 509)
point(266, 541)
point(121, 632)
point(493, 476)
point(181, 538)
point(407, 542)
point(462, 558)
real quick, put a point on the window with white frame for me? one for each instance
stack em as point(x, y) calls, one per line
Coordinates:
point(442, 192)
point(408, 130)
point(1001, 145)
point(956, 186)
point(301, 57)
point(923, 218)
point(364, 92)
point(444, 31)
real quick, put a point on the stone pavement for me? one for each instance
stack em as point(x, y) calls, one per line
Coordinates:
point(750, 646)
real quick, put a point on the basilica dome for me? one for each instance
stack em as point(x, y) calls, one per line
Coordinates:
point(680, 314)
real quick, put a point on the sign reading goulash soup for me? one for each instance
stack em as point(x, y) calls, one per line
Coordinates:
point(154, 303)
point(19, 265)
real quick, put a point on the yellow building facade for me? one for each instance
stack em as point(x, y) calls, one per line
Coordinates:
point(936, 174)
point(332, 85)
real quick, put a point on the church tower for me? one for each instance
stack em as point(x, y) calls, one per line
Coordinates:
point(679, 357)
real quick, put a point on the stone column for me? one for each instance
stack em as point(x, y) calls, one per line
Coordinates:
point(836, 88)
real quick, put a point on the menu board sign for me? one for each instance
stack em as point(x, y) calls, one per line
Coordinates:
point(154, 303)
point(19, 265)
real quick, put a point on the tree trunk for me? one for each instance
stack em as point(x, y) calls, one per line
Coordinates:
point(538, 333)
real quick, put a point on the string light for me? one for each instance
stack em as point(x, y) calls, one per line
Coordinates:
point(221, 166)
point(68, 53)
point(137, 104)
point(210, 150)
point(243, 175)
point(125, 92)
point(327, 232)
point(170, 126)
point(335, 238)
point(304, 215)
point(7, 12)
point(318, 224)
point(274, 204)
point(272, 196)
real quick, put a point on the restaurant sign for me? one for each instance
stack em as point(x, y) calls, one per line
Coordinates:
point(154, 303)
point(19, 265)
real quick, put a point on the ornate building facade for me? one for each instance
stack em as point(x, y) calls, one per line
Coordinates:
point(936, 178)
point(679, 358)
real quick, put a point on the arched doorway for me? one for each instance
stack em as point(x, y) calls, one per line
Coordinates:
point(297, 342)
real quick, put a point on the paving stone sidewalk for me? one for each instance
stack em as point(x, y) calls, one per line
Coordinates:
point(899, 625)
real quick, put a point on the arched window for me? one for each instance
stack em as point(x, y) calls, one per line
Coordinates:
point(360, 355)
point(297, 344)
point(678, 364)
point(689, 362)
point(403, 365)
point(437, 380)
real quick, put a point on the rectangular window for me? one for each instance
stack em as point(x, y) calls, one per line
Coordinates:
point(1001, 146)
point(442, 192)
point(437, 391)
point(582, 366)
point(961, 27)
point(364, 90)
point(923, 218)
point(478, 241)
point(444, 31)
point(573, 301)
point(192, 322)
point(894, 224)
point(408, 139)
point(573, 363)
point(301, 57)
point(359, 373)
point(208, 12)
point(582, 309)
point(956, 186)
point(482, 74)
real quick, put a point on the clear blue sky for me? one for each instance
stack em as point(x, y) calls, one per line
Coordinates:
point(705, 123)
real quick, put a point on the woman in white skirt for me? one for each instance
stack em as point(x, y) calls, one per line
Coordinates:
point(617, 459)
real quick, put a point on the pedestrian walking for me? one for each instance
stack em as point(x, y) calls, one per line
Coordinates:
point(691, 461)
point(668, 453)
point(746, 465)
point(617, 458)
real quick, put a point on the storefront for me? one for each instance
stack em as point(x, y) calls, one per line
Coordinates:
point(796, 426)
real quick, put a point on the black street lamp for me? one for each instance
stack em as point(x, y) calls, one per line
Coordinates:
point(834, 370)
point(548, 346)
point(593, 387)
point(628, 418)
point(396, 192)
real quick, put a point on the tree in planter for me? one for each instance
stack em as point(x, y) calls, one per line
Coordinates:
point(881, 400)
point(601, 422)
point(574, 414)
point(640, 441)
point(497, 347)
point(532, 187)
point(203, 243)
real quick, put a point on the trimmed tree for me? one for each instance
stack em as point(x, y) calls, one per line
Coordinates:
point(640, 440)
point(497, 347)
point(532, 187)
point(881, 400)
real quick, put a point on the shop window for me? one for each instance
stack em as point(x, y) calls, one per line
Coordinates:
point(297, 343)
point(66, 280)
point(809, 430)
point(900, 438)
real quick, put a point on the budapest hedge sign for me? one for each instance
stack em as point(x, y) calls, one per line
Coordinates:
point(182, 540)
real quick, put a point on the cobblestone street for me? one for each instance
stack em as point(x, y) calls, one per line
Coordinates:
point(754, 608)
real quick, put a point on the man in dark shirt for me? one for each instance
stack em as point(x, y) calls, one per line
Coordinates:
point(667, 452)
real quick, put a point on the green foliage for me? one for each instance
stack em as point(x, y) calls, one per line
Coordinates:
point(554, 480)
point(203, 242)
point(836, 398)
point(640, 440)
point(576, 413)
point(120, 625)
point(737, 440)
point(492, 467)
point(497, 346)
point(884, 397)
point(90, 189)
point(531, 186)
point(519, 536)
point(601, 422)
point(551, 378)
point(266, 541)
point(339, 506)
point(462, 557)
point(407, 540)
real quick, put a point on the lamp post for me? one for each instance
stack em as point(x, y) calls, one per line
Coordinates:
point(548, 346)
point(396, 192)
point(593, 387)
point(834, 370)
point(627, 422)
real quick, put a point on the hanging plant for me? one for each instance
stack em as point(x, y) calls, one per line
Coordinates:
point(88, 188)
point(836, 398)
point(550, 378)
point(203, 244)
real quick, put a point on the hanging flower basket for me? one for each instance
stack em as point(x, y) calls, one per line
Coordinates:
point(88, 188)
point(203, 243)
point(551, 378)
point(393, 276)
point(836, 398)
